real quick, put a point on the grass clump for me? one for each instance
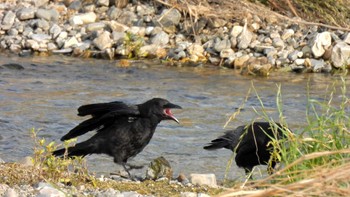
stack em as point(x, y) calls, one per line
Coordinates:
point(46, 167)
point(324, 141)
point(316, 158)
point(132, 44)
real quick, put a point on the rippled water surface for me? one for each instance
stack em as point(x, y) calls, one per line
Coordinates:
point(47, 92)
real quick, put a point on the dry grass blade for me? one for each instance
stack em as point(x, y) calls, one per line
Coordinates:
point(333, 178)
point(234, 10)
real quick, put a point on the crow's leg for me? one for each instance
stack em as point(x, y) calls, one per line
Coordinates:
point(127, 170)
point(133, 166)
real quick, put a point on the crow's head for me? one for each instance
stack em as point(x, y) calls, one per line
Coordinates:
point(160, 108)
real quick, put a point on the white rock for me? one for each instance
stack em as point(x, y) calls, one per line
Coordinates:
point(341, 55)
point(55, 30)
point(255, 26)
point(62, 35)
point(299, 62)
point(75, 20)
point(47, 191)
point(61, 38)
point(25, 13)
point(95, 26)
point(195, 49)
point(103, 41)
point(148, 50)
point(81, 19)
point(149, 30)
point(39, 3)
point(102, 2)
point(320, 43)
point(116, 27)
point(130, 194)
point(287, 34)
point(347, 38)
point(226, 53)
point(9, 18)
point(141, 31)
point(192, 194)
point(278, 43)
point(40, 37)
point(222, 44)
point(160, 38)
point(16, 48)
point(236, 30)
point(10, 193)
point(71, 42)
point(62, 51)
point(204, 179)
point(244, 38)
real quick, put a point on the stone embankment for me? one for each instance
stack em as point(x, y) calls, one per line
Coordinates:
point(147, 29)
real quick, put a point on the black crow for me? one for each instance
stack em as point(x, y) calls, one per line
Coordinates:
point(251, 144)
point(123, 130)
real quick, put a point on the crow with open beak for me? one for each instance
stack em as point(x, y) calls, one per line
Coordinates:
point(123, 130)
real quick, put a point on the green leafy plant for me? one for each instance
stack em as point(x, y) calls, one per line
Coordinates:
point(56, 169)
point(132, 44)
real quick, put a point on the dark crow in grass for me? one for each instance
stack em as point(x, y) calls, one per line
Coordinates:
point(251, 144)
point(123, 130)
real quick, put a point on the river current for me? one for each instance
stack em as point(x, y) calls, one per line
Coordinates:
point(46, 92)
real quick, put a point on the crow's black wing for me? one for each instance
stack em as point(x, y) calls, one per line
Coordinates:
point(100, 109)
point(103, 114)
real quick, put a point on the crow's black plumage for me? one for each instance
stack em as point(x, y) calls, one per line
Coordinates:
point(123, 130)
point(250, 143)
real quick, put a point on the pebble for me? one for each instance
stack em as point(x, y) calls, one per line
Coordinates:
point(49, 15)
point(192, 194)
point(55, 30)
point(8, 20)
point(204, 179)
point(160, 38)
point(169, 19)
point(71, 42)
point(222, 44)
point(95, 26)
point(25, 13)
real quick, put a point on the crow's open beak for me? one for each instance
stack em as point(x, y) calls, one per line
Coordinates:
point(168, 113)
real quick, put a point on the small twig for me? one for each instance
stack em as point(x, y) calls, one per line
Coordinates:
point(291, 7)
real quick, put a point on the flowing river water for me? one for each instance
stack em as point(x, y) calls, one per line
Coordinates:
point(46, 93)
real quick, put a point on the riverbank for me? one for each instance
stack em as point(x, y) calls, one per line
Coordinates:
point(18, 179)
point(253, 39)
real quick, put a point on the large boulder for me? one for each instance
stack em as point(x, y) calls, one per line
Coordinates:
point(320, 43)
point(341, 55)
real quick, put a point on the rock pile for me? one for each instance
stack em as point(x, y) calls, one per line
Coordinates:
point(145, 29)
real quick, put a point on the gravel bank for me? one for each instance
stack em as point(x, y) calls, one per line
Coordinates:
point(149, 29)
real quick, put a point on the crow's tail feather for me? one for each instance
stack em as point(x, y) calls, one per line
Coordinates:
point(81, 149)
point(219, 143)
